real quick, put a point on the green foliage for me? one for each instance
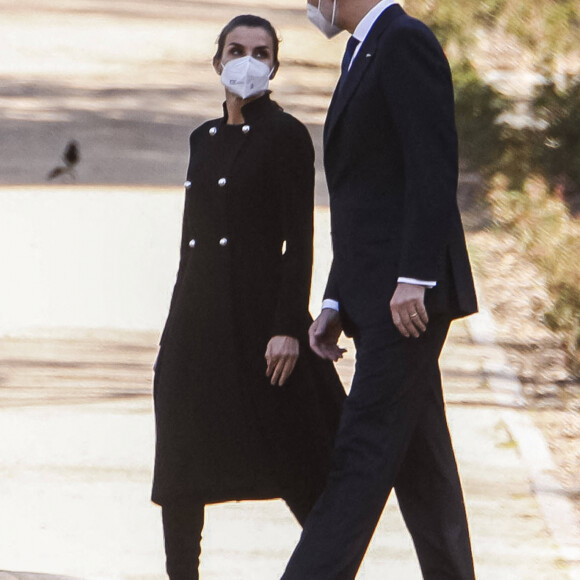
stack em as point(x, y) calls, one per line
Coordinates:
point(549, 147)
point(454, 22)
point(558, 154)
point(517, 160)
point(550, 237)
point(545, 28)
point(477, 109)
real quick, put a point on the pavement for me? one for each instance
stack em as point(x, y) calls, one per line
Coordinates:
point(86, 278)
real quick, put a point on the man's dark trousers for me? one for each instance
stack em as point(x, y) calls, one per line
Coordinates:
point(393, 433)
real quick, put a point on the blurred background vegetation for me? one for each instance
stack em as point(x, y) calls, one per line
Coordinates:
point(516, 69)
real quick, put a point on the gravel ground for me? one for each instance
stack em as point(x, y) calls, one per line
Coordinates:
point(513, 289)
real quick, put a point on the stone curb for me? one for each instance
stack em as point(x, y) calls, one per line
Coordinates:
point(556, 508)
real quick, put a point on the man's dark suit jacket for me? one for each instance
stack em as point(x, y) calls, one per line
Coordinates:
point(390, 150)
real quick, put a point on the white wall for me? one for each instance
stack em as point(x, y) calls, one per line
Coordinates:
point(78, 257)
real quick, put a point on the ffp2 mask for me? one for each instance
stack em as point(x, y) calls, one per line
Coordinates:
point(245, 76)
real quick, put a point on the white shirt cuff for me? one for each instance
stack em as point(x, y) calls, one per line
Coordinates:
point(330, 303)
point(426, 283)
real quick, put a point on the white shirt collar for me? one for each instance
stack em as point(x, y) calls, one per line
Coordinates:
point(364, 26)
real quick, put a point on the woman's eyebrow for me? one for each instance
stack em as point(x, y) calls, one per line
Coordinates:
point(239, 45)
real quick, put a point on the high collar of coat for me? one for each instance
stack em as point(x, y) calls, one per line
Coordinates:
point(255, 109)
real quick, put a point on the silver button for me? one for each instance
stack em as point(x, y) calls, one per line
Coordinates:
point(213, 131)
point(246, 129)
point(222, 181)
point(192, 243)
point(224, 242)
point(187, 184)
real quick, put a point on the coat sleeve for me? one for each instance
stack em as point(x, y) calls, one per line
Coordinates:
point(295, 153)
point(416, 81)
point(184, 249)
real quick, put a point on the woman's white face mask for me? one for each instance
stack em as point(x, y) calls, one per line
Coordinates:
point(245, 76)
point(329, 29)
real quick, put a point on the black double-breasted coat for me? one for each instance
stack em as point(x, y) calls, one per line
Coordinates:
point(223, 432)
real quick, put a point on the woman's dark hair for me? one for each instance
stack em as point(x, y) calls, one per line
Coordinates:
point(250, 21)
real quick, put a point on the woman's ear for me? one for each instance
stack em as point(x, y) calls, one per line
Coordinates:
point(274, 70)
point(217, 66)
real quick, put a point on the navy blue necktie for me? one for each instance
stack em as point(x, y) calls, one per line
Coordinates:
point(348, 53)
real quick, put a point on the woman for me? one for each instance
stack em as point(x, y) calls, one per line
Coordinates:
point(244, 409)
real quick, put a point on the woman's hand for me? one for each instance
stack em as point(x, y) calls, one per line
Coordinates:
point(281, 356)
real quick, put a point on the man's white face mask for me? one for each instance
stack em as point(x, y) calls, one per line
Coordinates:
point(329, 29)
point(245, 76)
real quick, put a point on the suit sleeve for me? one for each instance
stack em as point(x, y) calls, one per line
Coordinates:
point(417, 83)
point(331, 290)
point(296, 189)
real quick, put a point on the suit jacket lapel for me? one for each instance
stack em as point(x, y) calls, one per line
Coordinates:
point(365, 56)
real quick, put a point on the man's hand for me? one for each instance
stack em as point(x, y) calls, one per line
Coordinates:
point(281, 356)
point(324, 333)
point(408, 309)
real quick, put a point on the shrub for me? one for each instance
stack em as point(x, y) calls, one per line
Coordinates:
point(548, 146)
point(477, 110)
point(550, 237)
point(558, 156)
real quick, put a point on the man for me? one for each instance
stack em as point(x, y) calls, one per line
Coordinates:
point(400, 274)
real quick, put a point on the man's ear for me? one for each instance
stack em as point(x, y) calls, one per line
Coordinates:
point(217, 66)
